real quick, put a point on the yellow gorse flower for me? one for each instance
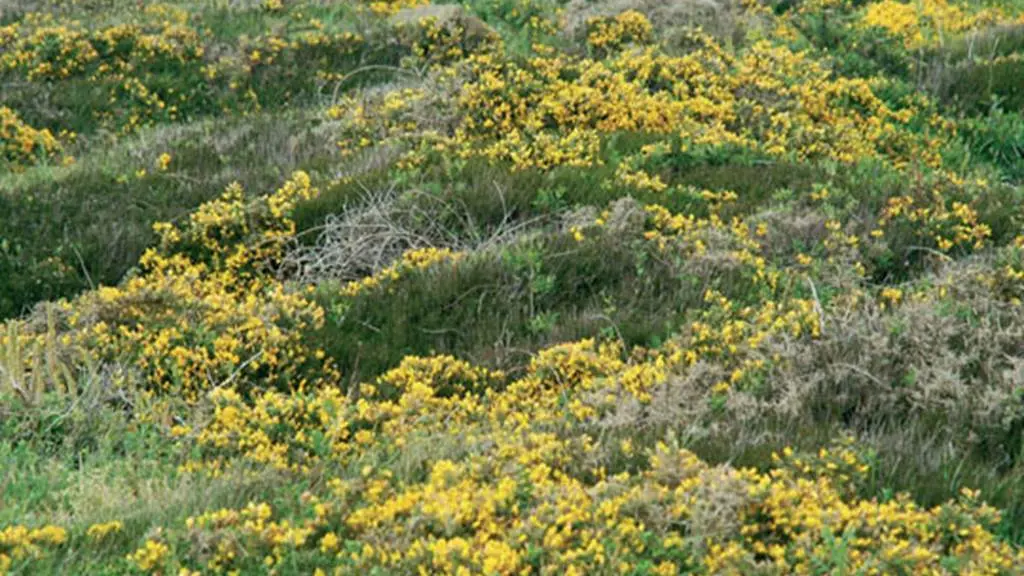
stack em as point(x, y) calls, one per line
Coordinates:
point(925, 23)
point(150, 556)
point(102, 530)
point(20, 144)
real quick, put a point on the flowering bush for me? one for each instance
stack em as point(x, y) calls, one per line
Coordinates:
point(522, 492)
point(21, 144)
point(202, 310)
point(926, 23)
point(162, 66)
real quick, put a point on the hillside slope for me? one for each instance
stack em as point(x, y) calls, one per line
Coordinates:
point(512, 287)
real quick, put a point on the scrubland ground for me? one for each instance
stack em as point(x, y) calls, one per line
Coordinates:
point(512, 287)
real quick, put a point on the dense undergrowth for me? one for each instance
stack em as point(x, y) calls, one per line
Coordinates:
point(512, 287)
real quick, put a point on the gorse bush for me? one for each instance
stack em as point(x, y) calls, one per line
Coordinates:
point(162, 65)
point(511, 287)
point(187, 313)
point(70, 228)
point(23, 144)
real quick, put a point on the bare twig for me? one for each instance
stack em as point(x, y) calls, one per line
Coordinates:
point(370, 234)
point(231, 377)
point(931, 251)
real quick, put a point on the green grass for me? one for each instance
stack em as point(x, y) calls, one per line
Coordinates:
point(499, 306)
point(65, 229)
point(97, 466)
point(979, 87)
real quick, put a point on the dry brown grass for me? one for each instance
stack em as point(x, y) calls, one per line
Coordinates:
point(942, 372)
point(376, 229)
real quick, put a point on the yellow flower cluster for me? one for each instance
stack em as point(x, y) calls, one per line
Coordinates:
point(390, 7)
point(99, 532)
point(507, 481)
point(438, 42)
point(22, 145)
point(890, 297)
point(235, 532)
point(163, 162)
point(390, 117)
point(412, 260)
point(555, 110)
point(631, 173)
point(446, 375)
point(1008, 281)
point(43, 48)
point(274, 430)
point(610, 33)
point(938, 220)
point(268, 49)
point(150, 557)
point(926, 23)
point(697, 237)
point(129, 61)
point(202, 310)
point(18, 543)
point(27, 48)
